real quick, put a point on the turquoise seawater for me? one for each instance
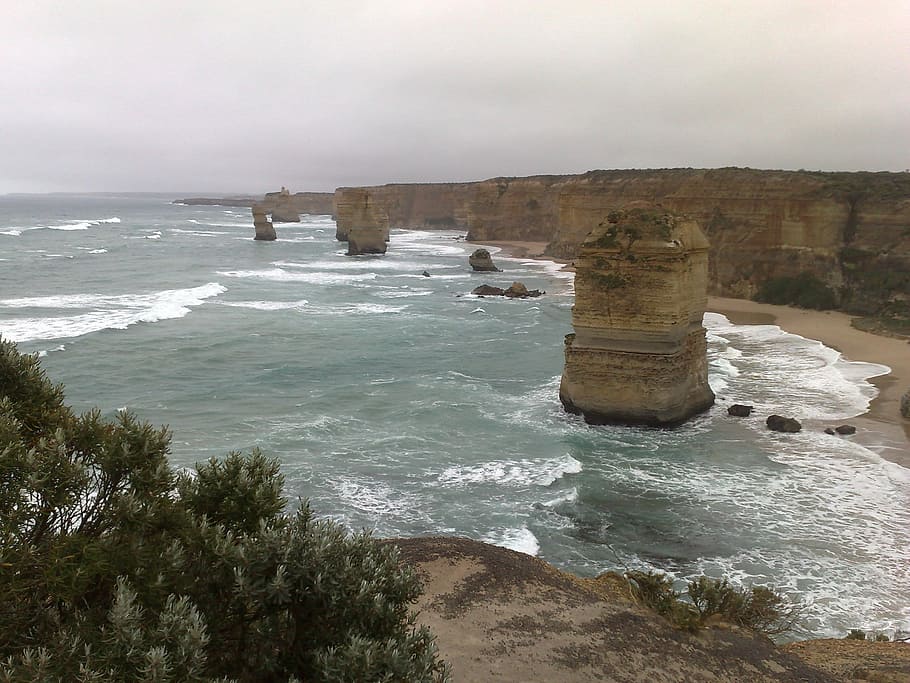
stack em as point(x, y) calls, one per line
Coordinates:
point(403, 404)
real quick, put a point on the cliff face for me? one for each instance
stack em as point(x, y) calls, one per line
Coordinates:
point(850, 230)
point(638, 354)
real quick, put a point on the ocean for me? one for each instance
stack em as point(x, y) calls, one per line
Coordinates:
point(403, 404)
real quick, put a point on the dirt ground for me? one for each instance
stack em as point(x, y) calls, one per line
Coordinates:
point(503, 616)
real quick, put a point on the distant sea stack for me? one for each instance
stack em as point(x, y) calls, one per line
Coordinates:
point(281, 206)
point(638, 353)
point(368, 227)
point(264, 228)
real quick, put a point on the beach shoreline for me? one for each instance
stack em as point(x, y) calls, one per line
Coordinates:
point(881, 428)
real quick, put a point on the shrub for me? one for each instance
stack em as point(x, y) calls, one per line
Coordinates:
point(758, 608)
point(115, 568)
point(805, 290)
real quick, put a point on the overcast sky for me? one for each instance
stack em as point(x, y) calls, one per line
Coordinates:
point(222, 95)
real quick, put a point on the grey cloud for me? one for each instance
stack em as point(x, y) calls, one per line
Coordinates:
point(217, 96)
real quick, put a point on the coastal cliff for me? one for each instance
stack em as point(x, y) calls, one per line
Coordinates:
point(848, 231)
point(638, 353)
point(317, 203)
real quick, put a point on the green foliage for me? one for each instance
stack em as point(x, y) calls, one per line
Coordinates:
point(805, 290)
point(115, 568)
point(757, 608)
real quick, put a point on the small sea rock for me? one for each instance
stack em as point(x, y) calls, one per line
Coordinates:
point(845, 429)
point(481, 260)
point(739, 410)
point(778, 423)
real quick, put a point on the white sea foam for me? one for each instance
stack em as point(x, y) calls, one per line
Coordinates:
point(281, 275)
point(784, 371)
point(198, 233)
point(520, 540)
point(13, 232)
point(105, 311)
point(511, 472)
point(268, 305)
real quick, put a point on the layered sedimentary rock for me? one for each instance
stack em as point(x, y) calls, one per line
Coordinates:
point(368, 230)
point(262, 224)
point(638, 353)
point(851, 231)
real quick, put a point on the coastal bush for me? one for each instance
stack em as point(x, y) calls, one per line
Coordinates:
point(805, 290)
point(114, 567)
point(757, 608)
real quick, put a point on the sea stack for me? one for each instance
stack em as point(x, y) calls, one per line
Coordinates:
point(638, 353)
point(262, 224)
point(281, 206)
point(368, 229)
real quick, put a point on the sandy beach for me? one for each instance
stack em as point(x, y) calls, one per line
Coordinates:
point(881, 428)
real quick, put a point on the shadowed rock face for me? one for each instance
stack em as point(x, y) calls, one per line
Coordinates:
point(638, 354)
point(262, 224)
point(368, 230)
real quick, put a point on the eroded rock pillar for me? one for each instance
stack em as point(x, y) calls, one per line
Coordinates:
point(638, 353)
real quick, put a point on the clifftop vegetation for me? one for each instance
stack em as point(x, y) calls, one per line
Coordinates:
point(115, 567)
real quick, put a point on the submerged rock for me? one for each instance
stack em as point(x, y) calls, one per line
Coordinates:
point(905, 405)
point(481, 261)
point(739, 410)
point(778, 423)
point(845, 430)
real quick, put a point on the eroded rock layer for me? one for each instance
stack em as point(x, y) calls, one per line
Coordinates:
point(638, 353)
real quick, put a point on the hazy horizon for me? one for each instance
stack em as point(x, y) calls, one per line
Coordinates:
point(234, 98)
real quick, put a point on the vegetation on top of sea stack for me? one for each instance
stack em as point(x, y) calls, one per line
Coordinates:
point(115, 567)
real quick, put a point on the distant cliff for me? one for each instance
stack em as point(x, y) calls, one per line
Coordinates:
point(851, 231)
point(300, 202)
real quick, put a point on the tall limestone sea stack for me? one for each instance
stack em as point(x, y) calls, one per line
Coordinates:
point(263, 226)
point(368, 228)
point(638, 353)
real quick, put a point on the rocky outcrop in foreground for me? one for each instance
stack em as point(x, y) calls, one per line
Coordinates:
point(263, 226)
point(638, 353)
point(503, 616)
